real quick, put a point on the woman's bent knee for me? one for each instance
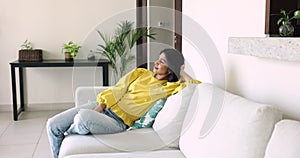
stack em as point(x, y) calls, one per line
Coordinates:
point(50, 123)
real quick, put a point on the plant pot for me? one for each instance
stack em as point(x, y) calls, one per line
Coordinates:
point(68, 56)
point(31, 55)
point(286, 29)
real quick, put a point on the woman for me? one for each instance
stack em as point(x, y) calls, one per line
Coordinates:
point(118, 107)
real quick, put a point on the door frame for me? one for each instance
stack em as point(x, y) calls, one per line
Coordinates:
point(141, 21)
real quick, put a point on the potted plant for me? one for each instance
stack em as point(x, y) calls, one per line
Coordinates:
point(27, 53)
point(70, 49)
point(117, 48)
point(286, 28)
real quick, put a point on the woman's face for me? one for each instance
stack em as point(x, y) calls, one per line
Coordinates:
point(160, 67)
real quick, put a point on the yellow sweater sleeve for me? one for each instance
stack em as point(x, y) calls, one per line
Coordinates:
point(112, 95)
point(184, 84)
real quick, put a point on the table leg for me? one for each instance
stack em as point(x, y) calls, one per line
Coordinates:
point(14, 93)
point(21, 88)
point(105, 75)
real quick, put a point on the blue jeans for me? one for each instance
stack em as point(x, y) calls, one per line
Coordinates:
point(81, 120)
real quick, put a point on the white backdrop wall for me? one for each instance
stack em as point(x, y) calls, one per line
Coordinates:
point(262, 80)
point(48, 24)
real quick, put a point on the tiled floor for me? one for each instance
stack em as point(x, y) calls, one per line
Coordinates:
point(25, 138)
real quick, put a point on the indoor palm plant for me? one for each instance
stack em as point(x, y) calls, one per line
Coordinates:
point(70, 49)
point(286, 28)
point(117, 47)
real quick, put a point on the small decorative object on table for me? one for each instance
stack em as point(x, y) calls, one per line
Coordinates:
point(70, 49)
point(286, 29)
point(27, 53)
point(91, 57)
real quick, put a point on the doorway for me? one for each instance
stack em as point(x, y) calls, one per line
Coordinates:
point(165, 19)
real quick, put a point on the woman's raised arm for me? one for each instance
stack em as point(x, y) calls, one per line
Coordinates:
point(184, 76)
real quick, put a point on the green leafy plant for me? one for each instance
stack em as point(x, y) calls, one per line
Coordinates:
point(117, 47)
point(26, 45)
point(71, 48)
point(285, 16)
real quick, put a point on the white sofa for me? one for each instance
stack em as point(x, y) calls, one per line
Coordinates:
point(216, 124)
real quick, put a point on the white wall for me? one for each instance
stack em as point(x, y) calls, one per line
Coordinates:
point(48, 24)
point(263, 80)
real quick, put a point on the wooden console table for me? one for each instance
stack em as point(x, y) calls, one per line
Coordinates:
point(48, 63)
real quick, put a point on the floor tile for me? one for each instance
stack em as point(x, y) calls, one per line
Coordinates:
point(33, 126)
point(42, 151)
point(27, 137)
point(54, 112)
point(44, 137)
point(5, 118)
point(40, 115)
point(2, 129)
point(17, 151)
point(19, 138)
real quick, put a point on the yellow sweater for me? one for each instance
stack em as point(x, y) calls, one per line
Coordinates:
point(136, 92)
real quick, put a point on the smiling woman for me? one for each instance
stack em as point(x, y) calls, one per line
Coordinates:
point(118, 107)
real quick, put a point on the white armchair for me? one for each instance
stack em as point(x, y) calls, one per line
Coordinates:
point(86, 94)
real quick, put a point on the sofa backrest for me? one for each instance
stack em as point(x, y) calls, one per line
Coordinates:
point(285, 140)
point(219, 124)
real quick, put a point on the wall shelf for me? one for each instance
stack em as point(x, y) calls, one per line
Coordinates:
point(275, 48)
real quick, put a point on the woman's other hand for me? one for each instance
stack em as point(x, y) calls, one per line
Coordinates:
point(100, 107)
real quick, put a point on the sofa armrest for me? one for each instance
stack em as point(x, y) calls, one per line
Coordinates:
point(85, 94)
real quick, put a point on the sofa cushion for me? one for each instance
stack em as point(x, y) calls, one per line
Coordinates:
point(142, 139)
point(242, 128)
point(148, 119)
point(147, 154)
point(285, 140)
point(169, 120)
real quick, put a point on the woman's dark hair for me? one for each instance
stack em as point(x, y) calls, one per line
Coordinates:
point(175, 60)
